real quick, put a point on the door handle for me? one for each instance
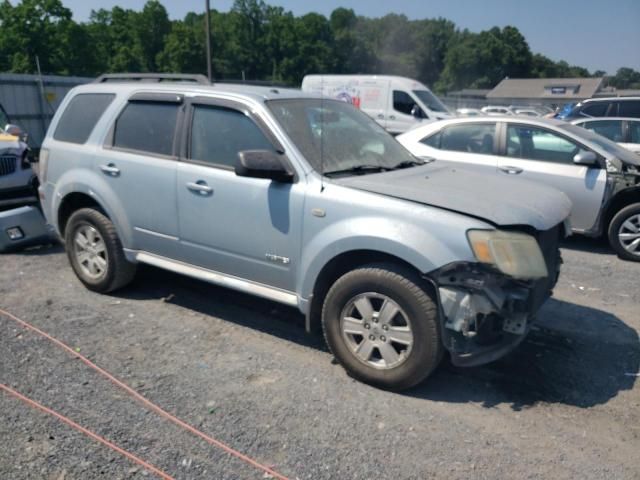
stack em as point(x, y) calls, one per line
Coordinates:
point(392, 117)
point(200, 187)
point(511, 170)
point(110, 169)
point(381, 116)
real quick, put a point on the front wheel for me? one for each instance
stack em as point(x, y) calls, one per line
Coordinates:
point(624, 232)
point(382, 326)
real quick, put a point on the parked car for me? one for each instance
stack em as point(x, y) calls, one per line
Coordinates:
point(496, 110)
point(601, 178)
point(468, 112)
point(624, 131)
point(603, 107)
point(527, 112)
point(396, 103)
point(18, 183)
point(308, 202)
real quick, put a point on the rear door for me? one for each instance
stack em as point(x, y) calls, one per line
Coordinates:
point(138, 163)
point(545, 156)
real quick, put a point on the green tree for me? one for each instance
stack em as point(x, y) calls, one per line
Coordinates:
point(151, 27)
point(182, 52)
point(625, 78)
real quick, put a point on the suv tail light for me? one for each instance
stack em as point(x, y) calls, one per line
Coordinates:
point(43, 161)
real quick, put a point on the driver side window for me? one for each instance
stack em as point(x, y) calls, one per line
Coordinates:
point(402, 102)
point(531, 143)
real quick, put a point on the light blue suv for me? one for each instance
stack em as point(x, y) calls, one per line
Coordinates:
point(308, 202)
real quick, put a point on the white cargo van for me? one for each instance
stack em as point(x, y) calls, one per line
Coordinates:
point(396, 103)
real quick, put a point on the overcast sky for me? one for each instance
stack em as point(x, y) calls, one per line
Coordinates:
point(596, 34)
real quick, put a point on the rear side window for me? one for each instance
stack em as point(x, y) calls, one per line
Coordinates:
point(595, 110)
point(470, 138)
point(147, 127)
point(629, 108)
point(634, 132)
point(218, 134)
point(612, 129)
point(81, 115)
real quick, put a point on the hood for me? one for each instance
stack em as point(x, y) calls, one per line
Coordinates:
point(500, 201)
point(9, 141)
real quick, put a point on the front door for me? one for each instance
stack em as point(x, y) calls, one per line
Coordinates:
point(541, 155)
point(400, 119)
point(243, 227)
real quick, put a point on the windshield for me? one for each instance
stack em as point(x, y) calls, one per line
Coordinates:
point(432, 102)
point(603, 142)
point(3, 119)
point(334, 136)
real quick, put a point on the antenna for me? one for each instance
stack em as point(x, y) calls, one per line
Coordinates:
point(321, 133)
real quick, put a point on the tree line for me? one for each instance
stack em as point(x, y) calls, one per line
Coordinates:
point(257, 41)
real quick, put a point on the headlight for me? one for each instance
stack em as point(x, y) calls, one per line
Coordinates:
point(515, 254)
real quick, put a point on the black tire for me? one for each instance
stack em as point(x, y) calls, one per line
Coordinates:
point(118, 272)
point(614, 227)
point(404, 288)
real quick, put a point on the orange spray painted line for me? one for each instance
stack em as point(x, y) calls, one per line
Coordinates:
point(152, 406)
point(89, 433)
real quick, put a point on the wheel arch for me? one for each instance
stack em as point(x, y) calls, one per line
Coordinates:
point(339, 265)
point(73, 202)
point(623, 199)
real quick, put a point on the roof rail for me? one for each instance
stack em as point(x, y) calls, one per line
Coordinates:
point(152, 78)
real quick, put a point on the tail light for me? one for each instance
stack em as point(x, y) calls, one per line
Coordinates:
point(43, 161)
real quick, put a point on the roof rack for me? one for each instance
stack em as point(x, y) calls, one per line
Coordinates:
point(152, 78)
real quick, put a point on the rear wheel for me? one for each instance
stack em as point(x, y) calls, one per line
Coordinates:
point(95, 252)
point(624, 232)
point(382, 326)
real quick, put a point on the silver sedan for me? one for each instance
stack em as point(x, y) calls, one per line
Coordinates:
point(601, 178)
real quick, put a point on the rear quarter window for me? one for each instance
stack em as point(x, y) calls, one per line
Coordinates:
point(81, 115)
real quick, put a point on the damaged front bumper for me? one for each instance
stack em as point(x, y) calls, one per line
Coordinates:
point(485, 314)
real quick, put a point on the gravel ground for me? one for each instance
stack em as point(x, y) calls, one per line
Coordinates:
point(564, 405)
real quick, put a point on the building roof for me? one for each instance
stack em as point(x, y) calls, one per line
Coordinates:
point(470, 92)
point(546, 88)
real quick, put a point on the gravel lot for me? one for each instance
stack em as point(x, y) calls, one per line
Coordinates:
point(565, 405)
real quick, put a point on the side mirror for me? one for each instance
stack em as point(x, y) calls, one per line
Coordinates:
point(14, 130)
point(263, 164)
point(585, 158)
point(417, 112)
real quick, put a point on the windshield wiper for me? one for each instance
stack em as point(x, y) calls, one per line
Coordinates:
point(411, 163)
point(359, 169)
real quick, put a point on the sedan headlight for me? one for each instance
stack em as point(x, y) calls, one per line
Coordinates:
point(515, 254)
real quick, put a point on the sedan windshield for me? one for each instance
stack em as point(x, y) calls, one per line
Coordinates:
point(431, 101)
point(337, 138)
